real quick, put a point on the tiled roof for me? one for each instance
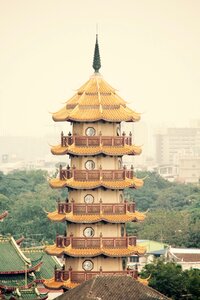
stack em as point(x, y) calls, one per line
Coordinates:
point(188, 257)
point(96, 100)
point(111, 288)
point(12, 259)
point(48, 262)
point(114, 151)
point(27, 294)
point(57, 285)
point(115, 252)
point(120, 184)
point(114, 218)
point(13, 281)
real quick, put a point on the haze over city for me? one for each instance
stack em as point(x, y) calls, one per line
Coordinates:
point(149, 53)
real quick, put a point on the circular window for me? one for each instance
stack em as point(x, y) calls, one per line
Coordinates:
point(89, 165)
point(90, 131)
point(88, 232)
point(88, 265)
point(89, 198)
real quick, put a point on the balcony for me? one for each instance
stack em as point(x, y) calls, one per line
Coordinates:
point(95, 175)
point(80, 276)
point(95, 242)
point(95, 141)
point(96, 208)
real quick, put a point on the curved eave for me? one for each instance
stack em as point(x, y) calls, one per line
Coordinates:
point(116, 185)
point(112, 151)
point(29, 270)
point(57, 285)
point(88, 219)
point(94, 115)
point(7, 285)
point(116, 252)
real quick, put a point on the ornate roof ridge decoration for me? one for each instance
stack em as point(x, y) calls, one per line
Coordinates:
point(87, 219)
point(11, 281)
point(3, 215)
point(96, 61)
point(30, 293)
point(96, 101)
point(20, 240)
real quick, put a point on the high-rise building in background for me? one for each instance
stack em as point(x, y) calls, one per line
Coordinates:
point(95, 240)
point(178, 153)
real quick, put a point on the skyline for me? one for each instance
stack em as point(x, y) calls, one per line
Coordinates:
point(149, 53)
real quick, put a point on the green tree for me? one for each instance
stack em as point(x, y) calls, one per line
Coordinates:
point(169, 279)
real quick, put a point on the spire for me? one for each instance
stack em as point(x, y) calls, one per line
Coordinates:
point(96, 61)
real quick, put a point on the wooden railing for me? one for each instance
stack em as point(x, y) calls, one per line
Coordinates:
point(95, 208)
point(95, 175)
point(97, 140)
point(80, 276)
point(95, 242)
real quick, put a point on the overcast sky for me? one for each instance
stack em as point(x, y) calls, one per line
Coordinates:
point(150, 52)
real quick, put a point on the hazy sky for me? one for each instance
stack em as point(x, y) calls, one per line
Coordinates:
point(150, 52)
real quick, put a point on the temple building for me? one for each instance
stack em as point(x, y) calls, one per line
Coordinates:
point(95, 211)
point(22, 272)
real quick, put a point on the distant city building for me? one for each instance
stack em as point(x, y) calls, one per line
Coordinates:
point(176, 141)
point(189, 169)
point(178, 154)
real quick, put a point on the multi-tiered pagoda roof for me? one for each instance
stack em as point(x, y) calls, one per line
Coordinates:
point(95, 180)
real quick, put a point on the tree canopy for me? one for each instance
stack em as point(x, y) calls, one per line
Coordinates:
point(169, 279)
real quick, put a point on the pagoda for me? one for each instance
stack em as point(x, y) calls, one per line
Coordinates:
point(95, 241)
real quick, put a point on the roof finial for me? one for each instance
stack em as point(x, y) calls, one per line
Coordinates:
point(96, 61)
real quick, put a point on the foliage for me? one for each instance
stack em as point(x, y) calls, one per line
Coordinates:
point(173, 214)
point(173, 209)
point(158, 193)
point(169, 279)
point(26, 195)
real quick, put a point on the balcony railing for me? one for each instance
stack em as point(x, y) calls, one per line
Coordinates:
point(95, 242)
point(80, 276)
point(95, 175)
point(95, 208)
point(94, 141)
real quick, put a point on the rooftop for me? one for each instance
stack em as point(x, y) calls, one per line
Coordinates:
point(12, 259)
point(96, 101)
point(117, 184)
point(91, 252)
point(46, 270)
point(92, 218)
point(112, 288)
point(107, 150)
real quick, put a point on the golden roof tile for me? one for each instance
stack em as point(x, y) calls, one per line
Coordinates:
point(92, 252)
point(120, 184)
point(96, 100)
point(114, 218)
point(108, 150)
point(56, 285)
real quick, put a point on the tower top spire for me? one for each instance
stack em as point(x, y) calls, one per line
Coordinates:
point(96, 60)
